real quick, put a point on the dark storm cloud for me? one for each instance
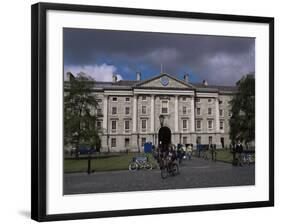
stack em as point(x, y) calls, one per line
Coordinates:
point(218, 59)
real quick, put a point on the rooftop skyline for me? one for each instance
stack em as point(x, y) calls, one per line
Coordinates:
point(101, 53)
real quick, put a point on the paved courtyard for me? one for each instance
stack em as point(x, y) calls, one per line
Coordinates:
point(196, 173)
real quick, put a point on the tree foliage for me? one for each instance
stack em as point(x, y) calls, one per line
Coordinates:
point(242, 121)
point(79, 120)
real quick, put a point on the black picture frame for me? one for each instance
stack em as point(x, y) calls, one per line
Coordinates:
point(39, 107)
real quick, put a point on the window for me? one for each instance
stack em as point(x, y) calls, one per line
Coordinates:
point(221, 125)
point(143, 124)
point(198, 111)
point(114, 99)
point(198, 140)
point(127, 110)
point(113, 142)
point(210, 140)
point(127, 124)
point(127, 142)
point(184, 140)
point(197, 100)
point(143, 97)
point(164, 109)
point(210, 124)
point(209, 111)
point(183, 110)
point(114, 110)
point(184, 98)
point(143, 140)
point(99, 111)
point(221, 112)
point(113, 125)
point(184, 124)
point(209, 100)
point(143, 109)
point(220, 101)
point(127, 99)
point(98, 124)
point(198, 124)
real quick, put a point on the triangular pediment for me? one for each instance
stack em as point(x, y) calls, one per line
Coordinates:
point(164, 80)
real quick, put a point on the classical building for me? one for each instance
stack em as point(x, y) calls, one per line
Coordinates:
point(162, 109)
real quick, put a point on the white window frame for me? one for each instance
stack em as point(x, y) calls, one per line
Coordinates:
point(113, 129)
point(142, 143)
point(212, 122)
point(112, 111)
point(127, 129)
point(184, 140)
point(200, 125)
point(199, 110)
point(143, 129)
point(211, 111)
point(184, 112)
point(112, 142)
point(221, 114)
point(186, 124)
point(162, 102)
point(127, 100)
point(222, 122)
point(126, 111)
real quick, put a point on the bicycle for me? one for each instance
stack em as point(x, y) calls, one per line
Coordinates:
point(248, 158)
point(168, 167)
point(140, 163)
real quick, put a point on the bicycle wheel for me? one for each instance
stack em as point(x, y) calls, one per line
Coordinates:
point(164, 172)
point(175, 169)
point(148, 166)
point(133, 166)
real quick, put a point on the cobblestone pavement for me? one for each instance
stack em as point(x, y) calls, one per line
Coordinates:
point(195, 173)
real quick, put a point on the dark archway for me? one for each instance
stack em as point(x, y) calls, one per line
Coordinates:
point(164, 136)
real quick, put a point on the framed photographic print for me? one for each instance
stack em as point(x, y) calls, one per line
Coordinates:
point(138, 111)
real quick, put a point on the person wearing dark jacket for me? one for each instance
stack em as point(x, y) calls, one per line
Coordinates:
point(239, 151)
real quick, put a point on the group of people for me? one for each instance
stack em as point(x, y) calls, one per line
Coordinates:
point(171, 153)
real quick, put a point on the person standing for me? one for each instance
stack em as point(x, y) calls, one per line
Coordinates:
point(239, 150)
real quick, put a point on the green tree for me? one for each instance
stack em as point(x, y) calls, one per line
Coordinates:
point(242, 121)
point(79, 120)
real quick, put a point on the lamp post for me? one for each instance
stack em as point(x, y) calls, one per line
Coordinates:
point(161, 119)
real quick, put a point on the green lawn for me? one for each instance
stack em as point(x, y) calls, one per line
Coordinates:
point(224, 155)
point(103, 162)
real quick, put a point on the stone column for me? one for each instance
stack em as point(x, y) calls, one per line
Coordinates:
point(152, 114)
point(105, 112)
point(135, 114)
point(176, 113)
point(192, 118)
point(217, 115)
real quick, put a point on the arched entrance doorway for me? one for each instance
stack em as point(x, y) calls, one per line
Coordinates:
point(164, 136)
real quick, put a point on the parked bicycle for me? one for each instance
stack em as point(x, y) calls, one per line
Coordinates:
point(248, 158)
point(140, 162)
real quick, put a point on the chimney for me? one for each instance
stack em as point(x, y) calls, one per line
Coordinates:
point(114, 78)
point(205, 83)
point(138, 76)
point(186, 77)
point(69, 76)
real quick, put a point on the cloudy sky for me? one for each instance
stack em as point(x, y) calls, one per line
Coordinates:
point(101, 53)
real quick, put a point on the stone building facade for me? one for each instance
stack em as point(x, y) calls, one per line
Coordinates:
point(129, 112)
